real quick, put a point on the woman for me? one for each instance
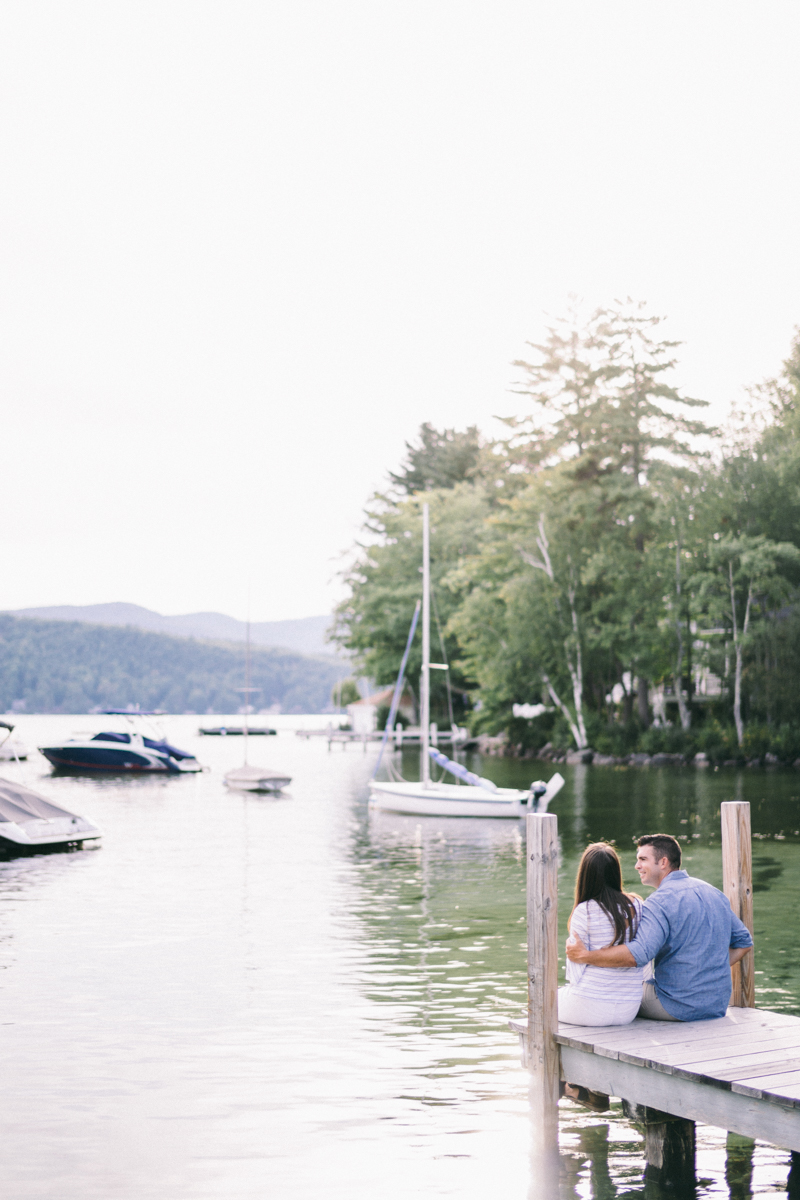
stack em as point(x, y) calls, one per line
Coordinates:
point(604, 915)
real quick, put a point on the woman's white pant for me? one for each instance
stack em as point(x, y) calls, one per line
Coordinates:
point(575, 1008)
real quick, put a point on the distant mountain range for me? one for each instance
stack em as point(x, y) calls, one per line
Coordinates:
point(77, 667)
point(306, 635)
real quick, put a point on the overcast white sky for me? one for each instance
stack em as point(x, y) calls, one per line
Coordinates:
point(247, 248)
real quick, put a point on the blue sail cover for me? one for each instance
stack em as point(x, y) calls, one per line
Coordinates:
point(460, 771)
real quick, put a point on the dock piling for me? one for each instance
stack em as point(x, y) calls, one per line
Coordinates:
point(542, 1052)
point(737, 884)
point(669, 1146)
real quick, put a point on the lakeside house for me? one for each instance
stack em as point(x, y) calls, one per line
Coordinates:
point(363, 715)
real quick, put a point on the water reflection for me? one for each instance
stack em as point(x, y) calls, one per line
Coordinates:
point(246, 996)
point(739, 1166)
point(471, 901)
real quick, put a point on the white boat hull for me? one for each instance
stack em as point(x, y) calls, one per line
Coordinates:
point(30, 822)
point(13, 751)
point(61, 831)
point(256, 779)
point(448, 800)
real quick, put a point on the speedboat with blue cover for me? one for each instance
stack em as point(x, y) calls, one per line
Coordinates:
point(126, 751)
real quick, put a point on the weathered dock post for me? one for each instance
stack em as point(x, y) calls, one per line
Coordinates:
point(542, 1052)
point(737, 884)
point(670, 1141)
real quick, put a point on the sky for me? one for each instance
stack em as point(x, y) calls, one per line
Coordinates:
point(246, 249)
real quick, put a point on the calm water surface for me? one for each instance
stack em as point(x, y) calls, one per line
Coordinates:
point(249, 996)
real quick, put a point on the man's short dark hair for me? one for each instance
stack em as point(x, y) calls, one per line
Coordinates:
point(664, 846)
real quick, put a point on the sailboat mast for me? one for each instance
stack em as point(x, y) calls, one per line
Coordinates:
point(246, 683)
point(425, 682)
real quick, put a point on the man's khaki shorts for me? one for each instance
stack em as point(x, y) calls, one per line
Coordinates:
point(651, 1007)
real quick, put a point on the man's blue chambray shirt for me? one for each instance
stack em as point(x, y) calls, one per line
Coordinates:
point(686, 928)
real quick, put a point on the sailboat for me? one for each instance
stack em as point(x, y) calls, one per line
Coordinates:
point(474, 797)
point(248, 778)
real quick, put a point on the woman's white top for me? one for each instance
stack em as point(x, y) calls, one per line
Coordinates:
point(596, 930)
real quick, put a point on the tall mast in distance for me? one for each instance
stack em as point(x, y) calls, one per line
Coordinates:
point(425, 679)
point(247, 688)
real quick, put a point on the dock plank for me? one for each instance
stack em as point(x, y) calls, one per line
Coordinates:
point(768, 1082)
point(769, 1070)
point(642, 1032)
point(720, 1048)
point(701, 1049)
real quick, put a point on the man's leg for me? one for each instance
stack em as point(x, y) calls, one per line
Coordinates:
point(651, 1007)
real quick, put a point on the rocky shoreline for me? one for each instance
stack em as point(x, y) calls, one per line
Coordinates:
point(499, 746)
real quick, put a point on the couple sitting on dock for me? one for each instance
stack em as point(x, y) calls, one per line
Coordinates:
point(685, 929)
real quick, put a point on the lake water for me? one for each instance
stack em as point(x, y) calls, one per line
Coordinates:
point(245, 996)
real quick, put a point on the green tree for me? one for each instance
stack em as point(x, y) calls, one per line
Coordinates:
point(440, 458)
point(521, 624)
point(743, 580)
point(344, 692)
point(610, 535)
point(604, 407)
point(385, 582)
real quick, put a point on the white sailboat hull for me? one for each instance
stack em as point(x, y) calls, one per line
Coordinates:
point(447, 800)
point(428, 799)
point(256, 779)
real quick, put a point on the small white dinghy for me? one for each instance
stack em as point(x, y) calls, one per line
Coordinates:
point(256, 779)
point(477, 797)
point(30, 823)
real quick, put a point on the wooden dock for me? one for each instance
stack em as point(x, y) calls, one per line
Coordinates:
point(397, 741)
point(740, 1072)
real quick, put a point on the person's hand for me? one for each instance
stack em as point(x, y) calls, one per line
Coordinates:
point(576, 951)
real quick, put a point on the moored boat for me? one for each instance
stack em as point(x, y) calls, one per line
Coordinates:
point(451, 800)
point(475, 797)
point(30, 823)
point(125, 751)
point(256, 779)
point(249, 778)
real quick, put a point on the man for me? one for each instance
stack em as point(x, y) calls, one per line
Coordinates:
point(690, 932)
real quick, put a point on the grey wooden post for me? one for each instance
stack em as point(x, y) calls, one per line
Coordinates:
point(670, 1154)
point(542, 1051)
point(669, 1146)
point(737, 883)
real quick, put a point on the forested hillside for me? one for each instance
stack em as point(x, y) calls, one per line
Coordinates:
point(70, 667)
point(610, 557)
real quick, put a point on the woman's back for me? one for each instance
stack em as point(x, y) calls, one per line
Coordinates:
point(595, 928)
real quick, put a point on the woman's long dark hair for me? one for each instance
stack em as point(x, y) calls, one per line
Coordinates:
point(600, 878)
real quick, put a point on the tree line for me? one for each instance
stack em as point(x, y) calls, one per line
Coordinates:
point(72, 667)
point(612, 559)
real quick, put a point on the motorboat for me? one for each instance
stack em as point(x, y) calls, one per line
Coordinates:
point(473, 796)
point(126, 751)
point(237, 731)
point(30, 823)
point(11, 749)
point(256, 779)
